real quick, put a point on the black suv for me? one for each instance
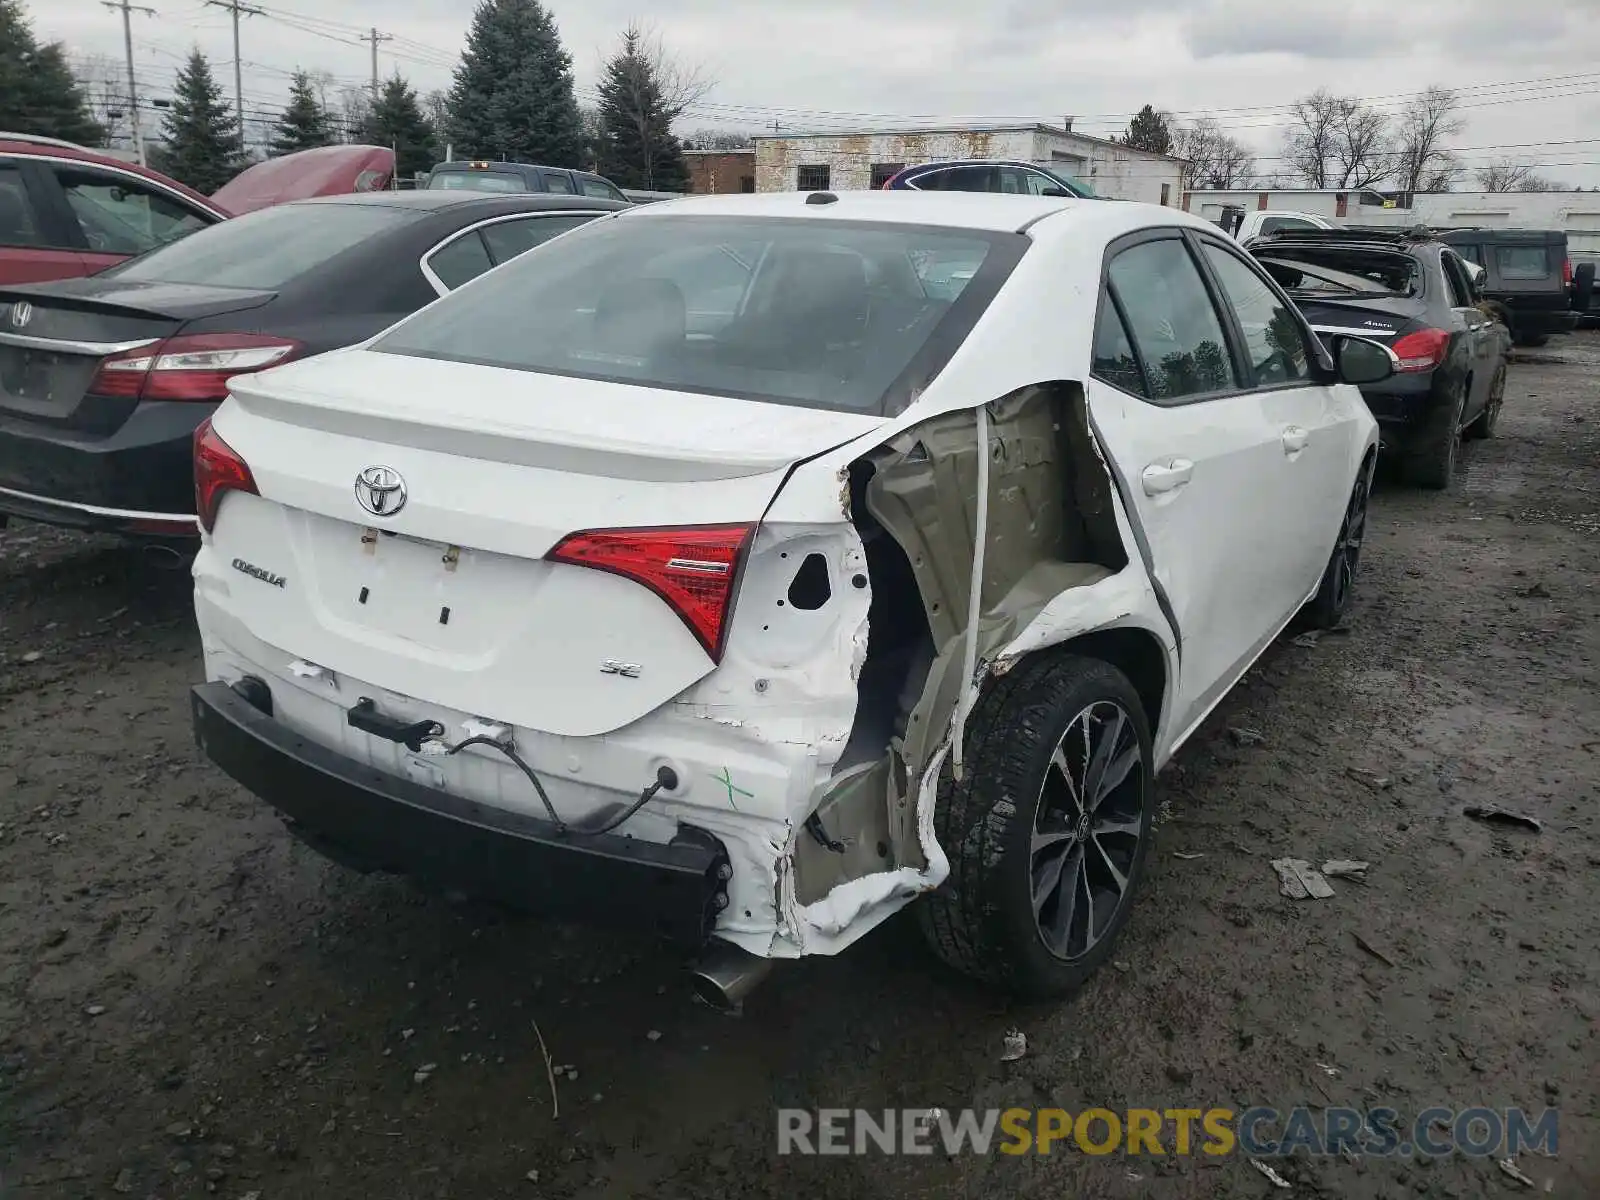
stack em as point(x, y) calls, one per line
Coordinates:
point(1415, 295)
point(482, 175)
point(1528, 274)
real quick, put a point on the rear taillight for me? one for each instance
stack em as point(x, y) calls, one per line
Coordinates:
point(1566, 271)
point(1421, 351)
point(195, 366)
point(218, 469)
point(693, 568)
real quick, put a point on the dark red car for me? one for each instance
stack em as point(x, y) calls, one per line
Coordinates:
point(67, 211)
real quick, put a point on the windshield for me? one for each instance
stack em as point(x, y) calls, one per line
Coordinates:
point(809, 312)
point(1340, 270)
point(476, 181)
point(264, 249)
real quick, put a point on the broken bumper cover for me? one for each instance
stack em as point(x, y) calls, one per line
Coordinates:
point(372, 819)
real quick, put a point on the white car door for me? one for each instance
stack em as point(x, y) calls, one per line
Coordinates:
point(1320, 421)
point(1202, 462)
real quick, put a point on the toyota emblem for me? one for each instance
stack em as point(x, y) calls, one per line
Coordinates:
point(381, 491)
point(21, 313)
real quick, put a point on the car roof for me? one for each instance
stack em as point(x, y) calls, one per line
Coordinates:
point(430, 200)
point(988, 211)
point(28, 146)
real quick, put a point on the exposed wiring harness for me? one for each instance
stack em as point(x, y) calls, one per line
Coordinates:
point(666, 779)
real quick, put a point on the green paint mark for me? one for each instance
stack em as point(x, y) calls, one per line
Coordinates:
point(726, 780)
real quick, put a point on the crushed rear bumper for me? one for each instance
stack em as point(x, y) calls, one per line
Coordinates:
point(373, 820)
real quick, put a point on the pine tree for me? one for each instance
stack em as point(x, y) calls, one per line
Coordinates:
point(1150, 130)
point(396, 120)
point(637, 149)
point(202, 136)
point(37, 91)
point(305, 124)
point(512, 94)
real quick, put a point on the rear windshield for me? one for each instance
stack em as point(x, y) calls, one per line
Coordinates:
point(815, 313)
point(476, 181)
point(1342, 270)
point(1523, 262)
point(266, 248)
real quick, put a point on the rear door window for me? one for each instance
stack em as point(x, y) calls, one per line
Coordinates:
point(119, 215)
point(1273, 224)
point(557, 181)
point(1523, 262)
point(960, 179)
point(599, 189)
point(1114, 361)
point(1172, 321)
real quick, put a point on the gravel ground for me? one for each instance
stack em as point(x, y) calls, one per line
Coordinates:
point(193, 1004)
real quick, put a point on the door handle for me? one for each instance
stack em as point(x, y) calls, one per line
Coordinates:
point(1162, 477)
point(1294, 439)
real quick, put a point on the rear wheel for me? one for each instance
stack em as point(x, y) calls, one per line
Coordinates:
point(1483, 424)
point(1047, 832)
point(1531, 339)
point(1332, 602)
point(1430, 456)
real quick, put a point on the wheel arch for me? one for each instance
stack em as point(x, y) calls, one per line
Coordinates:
point(1135, 651)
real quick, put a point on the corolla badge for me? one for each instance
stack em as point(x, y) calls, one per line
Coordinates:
point(381, 491)
point(21, 314)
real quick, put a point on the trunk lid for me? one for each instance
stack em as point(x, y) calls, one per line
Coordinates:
point(49, 358)
point(450, 599)
point(1378, 317)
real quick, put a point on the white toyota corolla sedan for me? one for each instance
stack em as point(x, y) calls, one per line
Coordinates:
point(749, 568)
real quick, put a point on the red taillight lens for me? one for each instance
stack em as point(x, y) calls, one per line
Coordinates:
point(1421, 351)
point(1566, 271)
point(195, 366)
point(217, 470)
point(693, 568)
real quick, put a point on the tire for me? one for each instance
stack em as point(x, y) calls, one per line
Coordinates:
point(1484, 423)
point(1430, 455)
point(1331, 604)
point(1532, 339)
point(1013, 814)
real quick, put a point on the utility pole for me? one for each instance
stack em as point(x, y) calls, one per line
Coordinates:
point(133, 87)
point(375, 37)
point(236, 8)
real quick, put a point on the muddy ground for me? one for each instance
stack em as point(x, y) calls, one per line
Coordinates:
point(193, 1004)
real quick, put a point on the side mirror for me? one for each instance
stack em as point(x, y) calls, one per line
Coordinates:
point(1055, 191)
point(1362, 361)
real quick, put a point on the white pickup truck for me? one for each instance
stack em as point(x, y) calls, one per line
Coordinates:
point(1254, 223)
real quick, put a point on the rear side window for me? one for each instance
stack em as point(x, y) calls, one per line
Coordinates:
point(464, 259)
point(1272, 338)
point(821, 314)
point(1171, 320)
point(1113, 352)
point(1523, 262)
point(1273, 224)
point(266, 248)
point(600, 190)
point(507, 239)
point(557, 181)
point(17, 225)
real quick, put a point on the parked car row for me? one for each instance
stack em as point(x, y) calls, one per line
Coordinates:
point(548, 591)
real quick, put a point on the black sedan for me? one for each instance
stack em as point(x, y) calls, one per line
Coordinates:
point(1409, 291)
point(103, 380)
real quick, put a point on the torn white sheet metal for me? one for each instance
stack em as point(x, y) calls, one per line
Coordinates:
point(1299, 880)
point(980, 541)
point(1277, 1181)
point(1334, 868)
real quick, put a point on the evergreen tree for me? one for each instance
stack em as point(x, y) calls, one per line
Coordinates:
point(512, 93)
point(396, 120)
point(37, 91)
point(636, 148)
point(1150, 130)
point(201, 133)
point(305, 124)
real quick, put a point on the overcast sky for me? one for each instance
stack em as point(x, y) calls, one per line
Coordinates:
point(1529, 72)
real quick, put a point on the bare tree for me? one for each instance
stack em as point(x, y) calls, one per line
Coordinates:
point(1421, 162)
point(353, 111)
point(1361, 145)
point(1504, 175)
point(1216, 160)
point(436, 111)
point(717, 139)
point(1308, 146)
